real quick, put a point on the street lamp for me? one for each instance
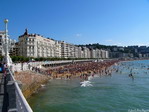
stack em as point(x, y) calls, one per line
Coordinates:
point(7, 58)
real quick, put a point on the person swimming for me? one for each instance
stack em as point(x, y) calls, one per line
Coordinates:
point(130, 75)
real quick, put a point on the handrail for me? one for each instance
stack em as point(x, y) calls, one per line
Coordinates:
point(22, 104)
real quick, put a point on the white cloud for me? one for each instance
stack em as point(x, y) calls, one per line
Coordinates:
point(142, 44)
point(78, 35)
point(109, 40)
point(112, 42)
point(119, 43)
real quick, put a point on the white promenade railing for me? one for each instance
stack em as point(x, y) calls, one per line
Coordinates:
point(21, 103)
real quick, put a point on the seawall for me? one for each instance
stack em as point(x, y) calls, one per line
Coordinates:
point(31, 82)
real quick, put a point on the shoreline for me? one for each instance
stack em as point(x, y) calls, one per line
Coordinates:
point(104, 87)
point(32, 81)
point(79, 70)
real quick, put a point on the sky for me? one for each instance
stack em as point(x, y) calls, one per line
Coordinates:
point(108, 22)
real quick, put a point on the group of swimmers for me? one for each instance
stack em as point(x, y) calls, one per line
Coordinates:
point(133, 68)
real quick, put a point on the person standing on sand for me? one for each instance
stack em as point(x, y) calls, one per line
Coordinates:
point(29, 66)
point(22, 66)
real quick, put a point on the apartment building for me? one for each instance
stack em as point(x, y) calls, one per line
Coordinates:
point(58, 49)
point(11, 44)
point(34, 45)
point(69, 50)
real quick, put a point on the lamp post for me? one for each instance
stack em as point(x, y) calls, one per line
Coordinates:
point(7, 58)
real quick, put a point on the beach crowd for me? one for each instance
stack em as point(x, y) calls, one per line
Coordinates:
point(34, 77)
point(82, 70)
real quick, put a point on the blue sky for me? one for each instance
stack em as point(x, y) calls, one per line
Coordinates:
point(109, 22)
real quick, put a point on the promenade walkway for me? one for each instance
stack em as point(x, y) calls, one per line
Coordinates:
point(1, 91)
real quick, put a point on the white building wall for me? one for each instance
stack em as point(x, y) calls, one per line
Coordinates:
point(11, 44)
point(107, 54)
point(33, 45)
point(93, 53)
point(79, 52)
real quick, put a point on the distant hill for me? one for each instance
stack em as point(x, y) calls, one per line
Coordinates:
point(112, 48)
point(97, 46)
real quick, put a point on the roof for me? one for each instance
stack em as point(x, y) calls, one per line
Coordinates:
point(2, 32)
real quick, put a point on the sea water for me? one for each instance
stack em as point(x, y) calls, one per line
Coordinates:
point(115, 93)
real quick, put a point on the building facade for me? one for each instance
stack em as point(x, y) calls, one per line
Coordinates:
point(33, 45)
point(11, 44)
